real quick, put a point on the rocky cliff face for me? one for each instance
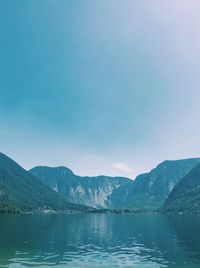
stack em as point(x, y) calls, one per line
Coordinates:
point(147, 192)
point(21, 189)
point(90, 191)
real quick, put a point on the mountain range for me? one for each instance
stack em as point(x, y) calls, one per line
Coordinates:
point(21, 190)
point(164, 188)
point(150, 190)
point(90, 191)
point(147, 192)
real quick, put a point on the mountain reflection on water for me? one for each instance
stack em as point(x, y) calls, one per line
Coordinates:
point(100, 240)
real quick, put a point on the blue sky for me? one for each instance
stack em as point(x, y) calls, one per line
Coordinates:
point(103, 87)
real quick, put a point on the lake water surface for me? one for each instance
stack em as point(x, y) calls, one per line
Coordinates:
point(100, 240)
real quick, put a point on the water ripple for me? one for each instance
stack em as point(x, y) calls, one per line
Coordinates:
point(99, 241)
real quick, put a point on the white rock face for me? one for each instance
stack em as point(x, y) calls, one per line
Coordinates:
point(99, 196)
point(96, 196)
point(91, 191)
point(77, 195)
point(171, 186)
point(55, 188)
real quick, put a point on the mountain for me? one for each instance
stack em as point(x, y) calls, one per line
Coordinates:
point(185, 196)
point(60, 189)
point(90, 191)
point(149, 191)
point(21, 190)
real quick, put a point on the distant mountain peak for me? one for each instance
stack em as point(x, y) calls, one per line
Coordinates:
point(150, 190)
point(173, 162)
point(60, 169)
point(20, 188)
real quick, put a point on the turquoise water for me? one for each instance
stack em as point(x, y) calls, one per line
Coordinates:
point(100, 240)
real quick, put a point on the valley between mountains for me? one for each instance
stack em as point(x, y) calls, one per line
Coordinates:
point(172, 186)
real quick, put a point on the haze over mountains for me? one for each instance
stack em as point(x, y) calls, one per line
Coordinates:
point(59, 189)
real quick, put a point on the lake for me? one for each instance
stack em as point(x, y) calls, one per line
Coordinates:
point(99, 240)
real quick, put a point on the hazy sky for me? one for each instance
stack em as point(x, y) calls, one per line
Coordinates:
point(101, 86)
